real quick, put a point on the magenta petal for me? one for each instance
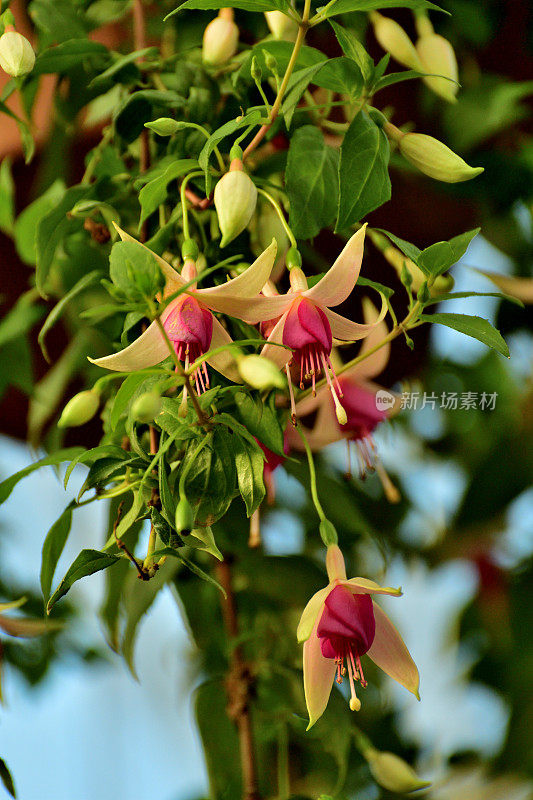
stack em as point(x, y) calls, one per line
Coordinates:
point(306, 324)
point(327, 648)
point(347, 621)
point(189, 323)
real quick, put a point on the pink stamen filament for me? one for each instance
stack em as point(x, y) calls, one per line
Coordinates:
point(291, 393)
point(355, 673)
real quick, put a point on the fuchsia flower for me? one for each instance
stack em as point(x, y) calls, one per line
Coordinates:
point(363, 413)
point(340, 624)
point(305, 321)
point(189, 322)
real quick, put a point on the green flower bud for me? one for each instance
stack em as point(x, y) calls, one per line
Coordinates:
point(271, 61)
point(438, 57)
point(189, 250)
point(265, 226)
point(184, 516)
point(328, 532)
point(165, 126)
point(16, 54)
point(293, 258)
point(423, 293)
point(255, 70)
point(220, 41)
point(146, 407)
point(235, 201)
point(281, 26)
point(395, 41)
point(433, 158)
point(260, 372)
point(79, 409)
point(393, 773)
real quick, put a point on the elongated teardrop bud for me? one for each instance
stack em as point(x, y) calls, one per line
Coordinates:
point(438, 57)
point(431, 157)
point(235, 201)
point(281, 26)
point(79, 409)
point(260, 372)
point(146, 407)
point(393, 773)
point(395, 41)
point(16, 54)
point(221, 38)
point(184, 517)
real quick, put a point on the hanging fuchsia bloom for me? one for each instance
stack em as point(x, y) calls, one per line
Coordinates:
point(189, 322)
point(340, 624)
point(306, 323)
point(361, 401)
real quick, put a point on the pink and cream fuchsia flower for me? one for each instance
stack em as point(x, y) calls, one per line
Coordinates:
point(189, 322)
point(340, 624)
point(306, 323)
point(359, 400)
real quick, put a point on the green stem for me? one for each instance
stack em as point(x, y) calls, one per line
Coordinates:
point(281, 215)
point(96, 156)
point(302, 31)
point(312, 476)
point(184, 207)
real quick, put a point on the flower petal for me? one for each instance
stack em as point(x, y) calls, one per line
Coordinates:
point(319, 673)
point(375, 363)
point(366, 586)
point(249, 283)
point(390, 654)
point(146, 351)
point(249, 309)
point(223, 362)
point(340, 279)
point(279, 355)
point(310, 614)
point(348, 331)
point(173, 279)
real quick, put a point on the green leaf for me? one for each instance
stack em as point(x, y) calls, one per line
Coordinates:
point(194, 568)
point(7, 197)
point(6, 778)
point(135, 271)
point(52, 549)
point(352, 47)
point(87, 563)
point(364, 182)
point(27, 141)
point(439, 257)
point(90, 456)
point(7, 486)
point(55, 313)
point(67, 55)
point(124, 396)
point(311, 181)
point(249, 461)
point(408, 249)
point(297, 85)
point(27, 221)
point(207, 541)
point(340, 75)
point(220, 741)
point(154, 193)
point(252, 117)
point(245, 5)
point(346, 6)
point(138, 108)
point(120, 63)
point(476, 327)
point(441, 298)
point(20, 319)
point(397, 77)
point(261, 420)
point(51, 230)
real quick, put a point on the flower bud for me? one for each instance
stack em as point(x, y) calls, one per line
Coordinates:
point(184, 516)
point(281, 26)
point(265, 226)
point(16, 54)
point(395, 41)
point(438, 57)
point(79, 409)
point(328, 533)
point(235, 201)
point(393, 773)
point(260, 372)
point(146, 407)
point(433, 158)
point(220, 41)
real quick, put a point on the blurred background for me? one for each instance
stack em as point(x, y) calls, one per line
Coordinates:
point(76, 723)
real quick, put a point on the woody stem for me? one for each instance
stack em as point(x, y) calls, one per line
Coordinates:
point(274, 111)
point(238, 688)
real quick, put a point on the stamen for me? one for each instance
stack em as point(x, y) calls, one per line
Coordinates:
point(332, 368)
point(348, 474)
point(391, 492)
point(338, 662)
point(291, 394)
point(364, 683)
point(355, 703)
point(355, 672)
